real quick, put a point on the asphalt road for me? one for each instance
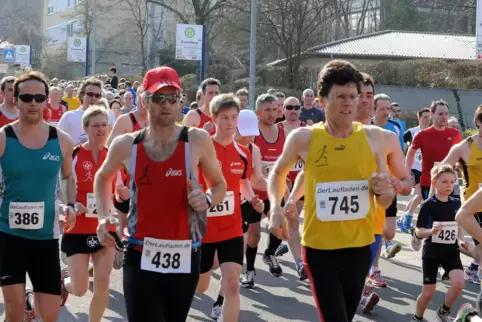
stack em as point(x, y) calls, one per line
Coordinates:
point(287, 299)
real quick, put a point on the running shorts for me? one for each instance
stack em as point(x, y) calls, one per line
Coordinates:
point(73, 244)
point(336, 287)
point(392, 210)
point(229, 251)
point(416, 176)
point(154, 296)
point(39, 258)
point(430, 266)
point(478, 217)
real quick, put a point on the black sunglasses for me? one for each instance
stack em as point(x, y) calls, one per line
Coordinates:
point(28, 98)
point(161, 98)
point(292, 107)
point(90, 94)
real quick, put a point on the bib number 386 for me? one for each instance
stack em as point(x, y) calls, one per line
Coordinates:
point(448, 234)
point(166, 256)
point(26, 215)
point(341, 201)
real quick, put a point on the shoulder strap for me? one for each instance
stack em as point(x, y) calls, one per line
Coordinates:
point(76, 150)
point(183, 136)
point(133, 119)
point(53, 133)
point(9, 132)
point(140, 136)
point(396, 124)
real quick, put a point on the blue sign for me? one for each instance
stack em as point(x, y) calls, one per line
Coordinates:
point(9, 55)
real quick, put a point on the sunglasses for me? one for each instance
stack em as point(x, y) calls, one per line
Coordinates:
point(161, 98)
point(292, 107)
point(90, 94)
point(28, 98)
point(396, 111)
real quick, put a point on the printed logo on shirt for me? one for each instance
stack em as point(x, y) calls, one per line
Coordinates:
point(87, 165)
point(173, 173)
point(51, 157)
point(144, 179)
point(340, 148)
point(235, 164)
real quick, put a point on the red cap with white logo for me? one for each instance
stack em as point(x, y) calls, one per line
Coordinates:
point(160, 77)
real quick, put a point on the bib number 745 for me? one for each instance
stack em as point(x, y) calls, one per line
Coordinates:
point(347, 204)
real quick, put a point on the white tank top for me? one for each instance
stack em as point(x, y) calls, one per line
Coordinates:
point(417, 162)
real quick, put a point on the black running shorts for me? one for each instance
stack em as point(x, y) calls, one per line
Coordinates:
point(229, 251)
point(72, 244)
point(430, 266)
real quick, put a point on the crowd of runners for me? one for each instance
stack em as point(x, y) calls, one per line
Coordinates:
point(94, 179)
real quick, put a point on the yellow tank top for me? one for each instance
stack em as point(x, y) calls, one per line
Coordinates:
point(472, 171)
point(339, 203)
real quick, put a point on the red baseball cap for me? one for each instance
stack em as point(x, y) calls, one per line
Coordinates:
point(160, 77)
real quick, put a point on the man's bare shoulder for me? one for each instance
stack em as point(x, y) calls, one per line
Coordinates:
point(63, 136)
point(197, 135)
point(123, 141)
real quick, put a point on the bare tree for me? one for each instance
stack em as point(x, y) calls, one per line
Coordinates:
point(292, 25)
point(138, 20)
point(18, 19)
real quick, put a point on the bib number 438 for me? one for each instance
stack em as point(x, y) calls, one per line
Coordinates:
point(166, 256)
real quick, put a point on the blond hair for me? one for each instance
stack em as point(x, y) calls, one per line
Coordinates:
point(93, 111)
point(440, 169)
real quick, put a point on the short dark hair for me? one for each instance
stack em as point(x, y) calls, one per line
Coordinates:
point(113, 69)
point(7, 80)
point(337, 72)
point(478, 115)
point(92, 81)
point(128, 84)
point(280, 95)
point(223, 101)
point(242, 92)
point(34, 75)
point(433, 106)
point(422, 110)
point(209, 81)
point(113, 102)
point(380, 97)
point(193, 106)
point(368, 80)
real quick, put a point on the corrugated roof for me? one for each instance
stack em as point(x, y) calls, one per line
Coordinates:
point(400, 44)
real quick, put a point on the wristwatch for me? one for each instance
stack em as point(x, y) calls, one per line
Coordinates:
point(209, 200)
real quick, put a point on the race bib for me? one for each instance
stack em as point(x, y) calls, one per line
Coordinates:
point(91, 206)
point(418, 156)
point(448, 234)
point(225, 208)
point(298, 166)
point(343, 200)
point(26, 215)
point(266, 168)
point(166, 256)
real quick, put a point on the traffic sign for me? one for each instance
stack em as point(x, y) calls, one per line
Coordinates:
point(189, 42)
point(9, 55)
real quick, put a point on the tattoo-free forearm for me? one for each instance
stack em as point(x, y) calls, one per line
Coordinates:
point(298, 188)
point(276, 187)
point(71, 189)
point(103, 195)
point(468, 222)
point(423, 233)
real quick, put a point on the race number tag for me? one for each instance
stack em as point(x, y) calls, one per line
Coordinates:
point(266, 168)
point(91, 206)
point(418, 156)
point(26, 215)
point(166, 256)
point(225, 208)
point(298, 166)
point(448, 234)
point(343, 200)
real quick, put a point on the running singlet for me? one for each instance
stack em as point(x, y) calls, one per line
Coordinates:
point(29, 191)
point(84, 169)
point(408, 137)
point(205, 119)
point(300, 164)
point(435, 145)
point(224, 219)
point(472, 170)
point(339, 202)
point(270, 152)
point(55, 114)
point(135, 124)
point(5, 120)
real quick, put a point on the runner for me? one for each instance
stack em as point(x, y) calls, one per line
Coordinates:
point(469, 154)
point(163, 160)
point(270, 143)
point(434, 142)
point(81, 243)
point(202, 116)
point(436, 223)
point(8, 110)
point(56, 109)
point(224, 235)
point(71, 121)
point(292, 111)
point(338, 155)
point(32, 155)
point(423, 117)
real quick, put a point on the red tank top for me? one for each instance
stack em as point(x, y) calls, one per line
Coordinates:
point(270, 152)
point(5, 120)
point(85, 169)
point(135, 125)
point(300, 164)
point(205, 119)
point(224, 219)
point(158, 204)
point(55, 114)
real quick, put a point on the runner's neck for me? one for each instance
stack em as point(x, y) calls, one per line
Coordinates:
point(441, 197)
point(380, 123)
point(339, 130)
point(365, 121)
point(223, 139)
point(206, 110)
point(9, 108)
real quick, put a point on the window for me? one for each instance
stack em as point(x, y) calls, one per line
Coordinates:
point(74, 29)
point(50, 7)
